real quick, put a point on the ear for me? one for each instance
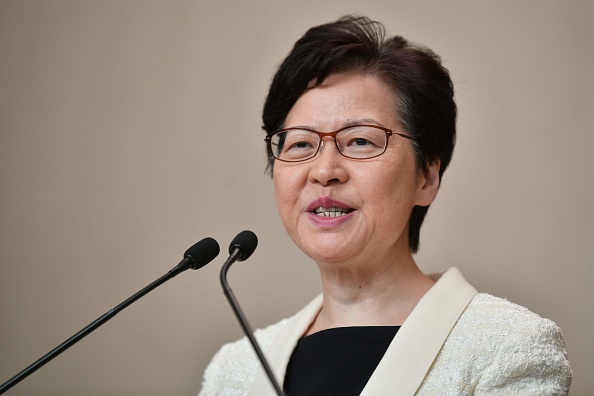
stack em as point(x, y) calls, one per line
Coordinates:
point(428, 184)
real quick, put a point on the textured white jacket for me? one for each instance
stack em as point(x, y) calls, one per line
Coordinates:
point(455, 342)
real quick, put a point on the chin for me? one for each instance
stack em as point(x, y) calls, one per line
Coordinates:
point(327, 246)
point(330, 255)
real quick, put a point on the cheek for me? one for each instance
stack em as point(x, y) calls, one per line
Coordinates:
point(279, 179)
point(390, 189)
point(286, 188)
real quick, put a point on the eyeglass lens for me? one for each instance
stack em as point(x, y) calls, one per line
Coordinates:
point(355, 142)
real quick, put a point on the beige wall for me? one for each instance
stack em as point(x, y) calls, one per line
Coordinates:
point(130, 129)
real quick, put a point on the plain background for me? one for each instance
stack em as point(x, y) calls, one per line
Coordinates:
point(131, 129)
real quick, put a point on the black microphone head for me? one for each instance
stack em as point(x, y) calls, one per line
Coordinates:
point(202, 252)
point(246, 241)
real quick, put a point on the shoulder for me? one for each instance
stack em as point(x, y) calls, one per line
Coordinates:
point(505, 322)
point(487, 309)
point(233, 368)
point(510, 350)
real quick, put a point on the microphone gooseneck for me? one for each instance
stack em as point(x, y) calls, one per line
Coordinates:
point(200, 254)
point(242, 247)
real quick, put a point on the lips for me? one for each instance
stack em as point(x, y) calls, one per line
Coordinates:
point(333, 211)
point(328, 207)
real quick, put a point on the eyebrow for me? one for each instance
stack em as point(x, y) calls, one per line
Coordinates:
point(363, 121)
point(355, 122)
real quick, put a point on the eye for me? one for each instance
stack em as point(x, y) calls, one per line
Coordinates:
point(359, 142)
point(295, 144)
point(299, 140)
point(298, 145)
point(362, 141)
point(363, 138)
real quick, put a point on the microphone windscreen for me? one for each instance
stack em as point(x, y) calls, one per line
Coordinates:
point(246, 241)
point(203, 252)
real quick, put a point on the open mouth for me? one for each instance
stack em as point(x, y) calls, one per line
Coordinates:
point(332, 211)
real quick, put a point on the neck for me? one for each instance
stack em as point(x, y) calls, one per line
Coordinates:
point(370, 295)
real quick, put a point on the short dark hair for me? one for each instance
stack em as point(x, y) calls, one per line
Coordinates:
point(422, 86)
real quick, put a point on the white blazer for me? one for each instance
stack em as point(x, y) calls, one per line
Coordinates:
point(455, 342)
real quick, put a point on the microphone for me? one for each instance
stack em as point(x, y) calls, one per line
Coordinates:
point(197, 256)
point(242, 247)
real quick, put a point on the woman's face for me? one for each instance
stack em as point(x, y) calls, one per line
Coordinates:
point(377, 194)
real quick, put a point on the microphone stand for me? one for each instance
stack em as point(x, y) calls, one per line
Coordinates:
point(185, 264)
point(244, 322)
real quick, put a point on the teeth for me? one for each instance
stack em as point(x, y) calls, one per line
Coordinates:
point(330, 212)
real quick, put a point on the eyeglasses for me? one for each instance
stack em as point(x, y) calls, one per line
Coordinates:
point(357, 142)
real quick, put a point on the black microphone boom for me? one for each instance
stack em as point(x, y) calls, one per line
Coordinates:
point(242, 247)
point(200, 254)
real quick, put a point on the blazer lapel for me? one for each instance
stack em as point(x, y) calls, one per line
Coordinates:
point(420, 338)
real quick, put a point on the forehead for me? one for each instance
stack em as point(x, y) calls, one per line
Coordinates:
point(342, 99)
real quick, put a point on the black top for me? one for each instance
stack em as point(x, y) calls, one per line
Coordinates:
point(337, 361)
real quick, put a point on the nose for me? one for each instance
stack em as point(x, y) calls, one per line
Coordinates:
point(327, 167)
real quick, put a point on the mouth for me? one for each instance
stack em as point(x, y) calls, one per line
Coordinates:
point(332, 211)
point(326, 207)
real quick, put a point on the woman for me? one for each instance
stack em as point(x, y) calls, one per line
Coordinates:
point(360, 129)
